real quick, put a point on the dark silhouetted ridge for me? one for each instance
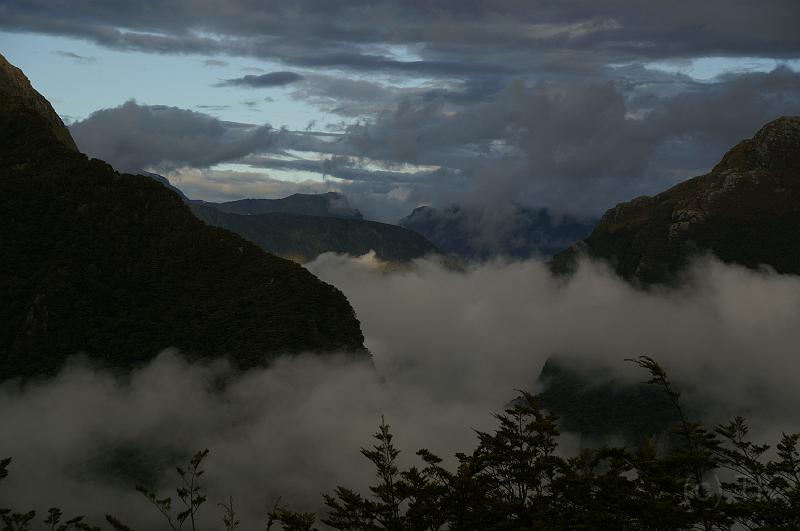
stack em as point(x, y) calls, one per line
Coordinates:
point(117, 267)
point(302, 238)
point(330, 204)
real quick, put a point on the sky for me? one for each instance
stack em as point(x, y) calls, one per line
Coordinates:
point(572, 105)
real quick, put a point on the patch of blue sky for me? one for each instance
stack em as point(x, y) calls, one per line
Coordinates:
point(76, 89)
point(710, 68)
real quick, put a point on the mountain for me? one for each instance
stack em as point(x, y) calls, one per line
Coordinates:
point(116, 266)
point(303, 226)
point(19, 97)
point(164, 181)
point(745, 211)
point(512, 231)
point(330, 204)
point(304, 237)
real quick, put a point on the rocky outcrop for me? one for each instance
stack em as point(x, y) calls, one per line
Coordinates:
point(745, 211)
point(18, 96)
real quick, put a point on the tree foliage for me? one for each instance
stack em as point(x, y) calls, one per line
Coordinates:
point(516, 478)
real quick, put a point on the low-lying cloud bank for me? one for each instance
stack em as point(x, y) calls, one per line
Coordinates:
point(449, 348)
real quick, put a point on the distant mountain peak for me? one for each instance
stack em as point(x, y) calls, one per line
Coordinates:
point(17, 95)
point(782, 132)
point(329, 204)
point(497, 230)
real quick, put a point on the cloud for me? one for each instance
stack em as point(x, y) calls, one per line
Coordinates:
point(440, 38)
point(385, 64)
point(222, 185)
point(215, 63)
point(544, 104)
point(576, 148)
point(80, 59)
point(449, 347)
point(350, 97)
point(133, 137)
point(272, 79)
point(212, 107)
point(503, 319)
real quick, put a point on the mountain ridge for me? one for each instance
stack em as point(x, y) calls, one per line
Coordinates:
point(745, 211)
point(329, 204)
point(19, 94)
point(512, 230)
point(300, 227)
point(302, 237)
point(116, 266)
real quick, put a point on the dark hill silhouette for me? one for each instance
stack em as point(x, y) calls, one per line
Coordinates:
point(301, 227)
point(330, 204)
point(117, 267)
point(304, 237)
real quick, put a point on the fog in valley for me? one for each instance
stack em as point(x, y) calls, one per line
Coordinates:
point(449, 348)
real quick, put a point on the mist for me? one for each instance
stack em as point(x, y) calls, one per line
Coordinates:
point(449, 348)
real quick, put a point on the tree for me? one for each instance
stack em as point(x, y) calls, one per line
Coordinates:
point(190, 494)
point(348, 510)
point(695, 460)
point(519, 462)
point(515, 479)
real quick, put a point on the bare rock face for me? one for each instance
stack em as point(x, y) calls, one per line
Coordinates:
point(16, 94)
point(745, 211)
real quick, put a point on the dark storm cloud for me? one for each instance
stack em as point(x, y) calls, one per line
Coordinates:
point(133, 137)
point(578, 146)
point(575, 147)
point(447, 36)
point(545, 103)
point(349, 97)
point(272, 79)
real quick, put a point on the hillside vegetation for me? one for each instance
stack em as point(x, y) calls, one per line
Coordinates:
point(745, 211)
point(116, 266)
